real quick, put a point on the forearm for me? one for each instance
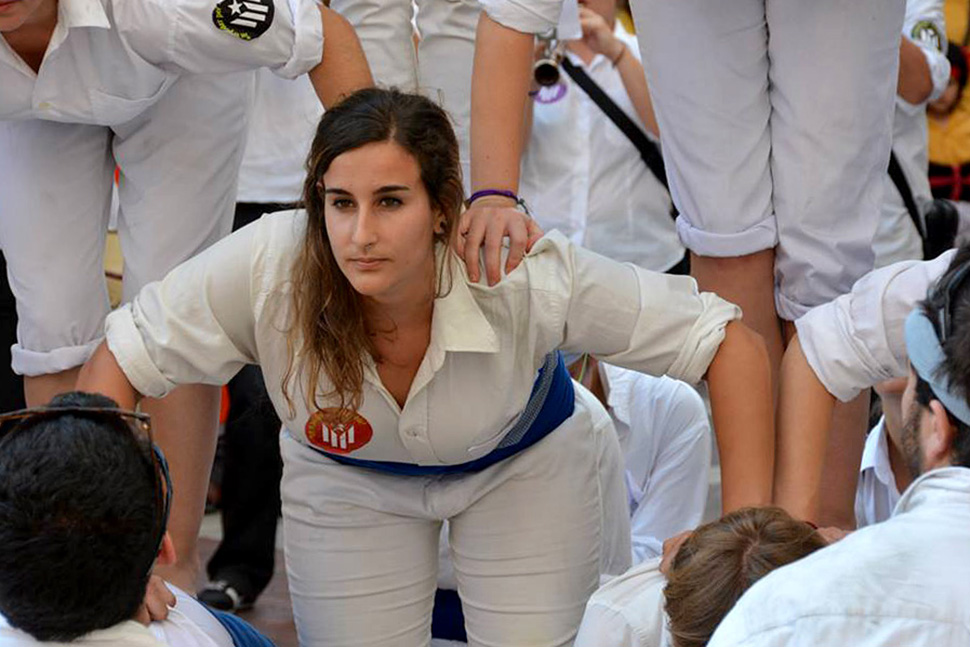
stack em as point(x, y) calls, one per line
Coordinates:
point(500, 86)
point(102, 374)
point(343, 67)
point(915, 81)
point(635, 82)
point(741, 401)
point(804, 418)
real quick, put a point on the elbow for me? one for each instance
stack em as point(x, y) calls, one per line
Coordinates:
point(917, 90)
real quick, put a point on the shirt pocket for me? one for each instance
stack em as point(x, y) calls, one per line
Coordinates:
point(492, 438)
point(112, 110)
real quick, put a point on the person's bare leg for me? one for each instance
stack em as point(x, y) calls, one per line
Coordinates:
point(40, 389)
point(843, 453)
point(748, 281)
point(185, 426)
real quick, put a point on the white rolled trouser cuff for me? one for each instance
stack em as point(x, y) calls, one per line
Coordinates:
point(759, 237)
point(30, 363)
point(55, 197)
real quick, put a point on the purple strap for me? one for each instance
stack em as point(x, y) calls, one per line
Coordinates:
point(487, 192)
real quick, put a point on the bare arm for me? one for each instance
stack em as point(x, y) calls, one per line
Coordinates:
point(740, 386)
point(500, 85)
point(343, 68)
point(804, 418)
point(915, 82)
point(102, 374)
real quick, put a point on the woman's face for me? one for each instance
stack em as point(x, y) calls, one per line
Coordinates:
point(14, 13)
point(380, 221)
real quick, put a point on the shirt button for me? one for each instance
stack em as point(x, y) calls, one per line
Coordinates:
point(413, 433)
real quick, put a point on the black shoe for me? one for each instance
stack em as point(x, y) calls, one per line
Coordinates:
point(223, 596)
point(941, 221)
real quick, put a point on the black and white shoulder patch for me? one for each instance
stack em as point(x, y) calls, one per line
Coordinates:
point(926, 31)
point(244, 19)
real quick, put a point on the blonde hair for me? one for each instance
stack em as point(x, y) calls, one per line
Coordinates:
point(327, 330)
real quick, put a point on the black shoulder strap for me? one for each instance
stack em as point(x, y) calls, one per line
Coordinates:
point(648, 150)
point(906, 193)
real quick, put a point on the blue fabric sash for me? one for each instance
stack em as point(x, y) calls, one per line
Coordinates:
point(552, 401)
point(243, 634)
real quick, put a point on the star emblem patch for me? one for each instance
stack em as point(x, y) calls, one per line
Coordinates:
point(244, 19)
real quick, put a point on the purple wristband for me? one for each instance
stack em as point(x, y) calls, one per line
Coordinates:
point(487, 192)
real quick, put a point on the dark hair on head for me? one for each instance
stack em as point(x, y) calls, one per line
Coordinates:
point(327, 332)
point(722, 559)
point(956, 348)
point(958, 65)
point(78, 517)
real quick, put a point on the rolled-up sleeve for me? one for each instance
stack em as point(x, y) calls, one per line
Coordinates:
point(195, 326)
point(625, 315)
point(221, 36)
point(856, 341)
point(924, 26)
point(529, 16)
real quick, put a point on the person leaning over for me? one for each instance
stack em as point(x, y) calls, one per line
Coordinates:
point(162, 91)
point(410, 394)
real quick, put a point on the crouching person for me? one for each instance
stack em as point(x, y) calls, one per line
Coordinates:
point(84, 500)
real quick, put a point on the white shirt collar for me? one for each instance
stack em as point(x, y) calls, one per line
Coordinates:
point(875, 456)
point(945, 483)
point(82, 13)
point(457, 323)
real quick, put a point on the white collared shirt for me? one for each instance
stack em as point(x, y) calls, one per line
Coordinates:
point(627, 611)
point(583, 176)
point(285, 116)
point(227, 307)
point(109, 60)
point(665, 437)
point(876, 494)
point(856, 340)
point(903, 582)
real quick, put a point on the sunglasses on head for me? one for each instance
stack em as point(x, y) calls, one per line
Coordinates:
point(133, 422)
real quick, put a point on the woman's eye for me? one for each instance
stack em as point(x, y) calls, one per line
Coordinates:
point(389, 201)
point(342, 203)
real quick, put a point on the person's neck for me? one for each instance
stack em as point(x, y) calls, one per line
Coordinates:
point(406, 309)
point(31, 39)
point(899, 467)
point(582, 50)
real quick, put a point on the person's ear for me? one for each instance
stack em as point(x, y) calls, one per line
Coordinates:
point(439, 224)
point(166, 554)
point(938, 440)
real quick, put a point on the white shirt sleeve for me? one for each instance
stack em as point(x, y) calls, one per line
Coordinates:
point(856, 341)
point(219, 36)
point(529, 16)
point(605, 627)
point(195, 326)
point(625, 315)
point(924, 26)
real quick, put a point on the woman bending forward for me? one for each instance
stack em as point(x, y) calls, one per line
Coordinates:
point(410, 395)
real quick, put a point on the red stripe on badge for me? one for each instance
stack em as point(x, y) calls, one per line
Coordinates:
point(338, 431)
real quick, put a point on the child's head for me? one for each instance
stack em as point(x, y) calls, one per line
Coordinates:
point(722, 559)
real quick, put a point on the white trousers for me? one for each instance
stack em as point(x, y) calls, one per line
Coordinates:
point(776, 121)
point(442, 66)
point(179, 163)
point(529, 539)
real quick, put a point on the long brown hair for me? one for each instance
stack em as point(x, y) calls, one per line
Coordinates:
point(722, 559)
point(327, 330)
